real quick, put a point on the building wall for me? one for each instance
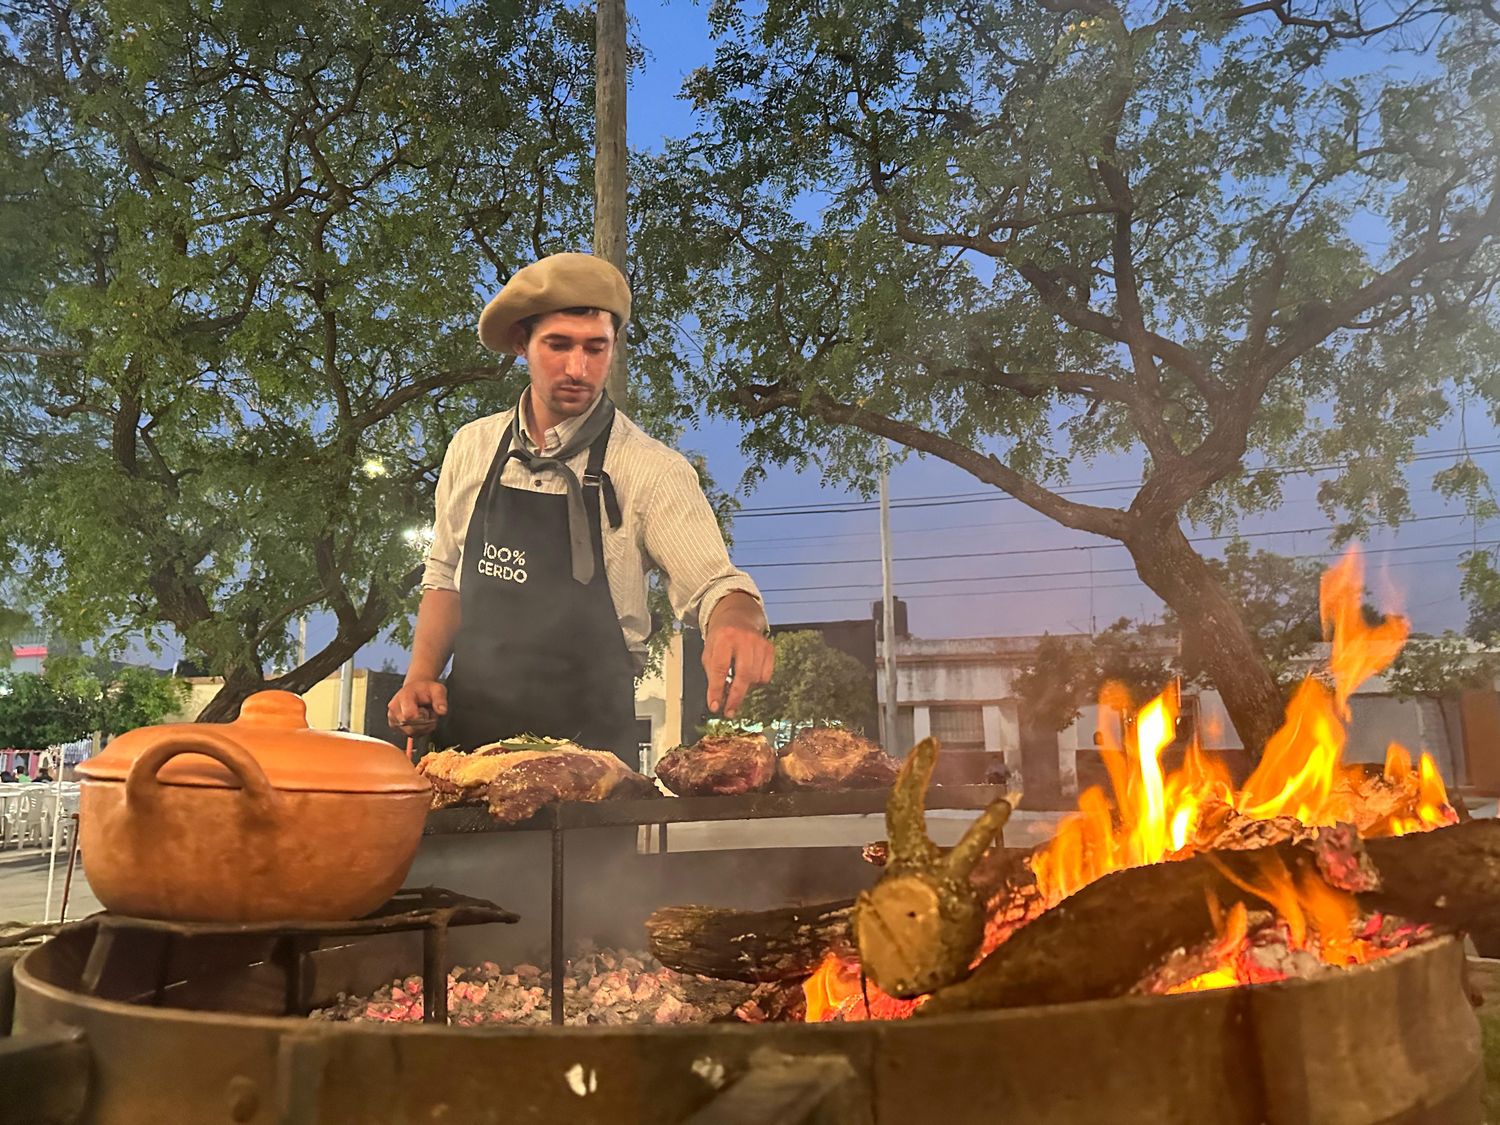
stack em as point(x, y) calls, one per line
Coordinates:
point(322, 701)
point(658, 698)
point(938, 680)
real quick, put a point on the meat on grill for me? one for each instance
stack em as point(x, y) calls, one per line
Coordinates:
point(830, 758)
point(723, 765)
point(515, 784)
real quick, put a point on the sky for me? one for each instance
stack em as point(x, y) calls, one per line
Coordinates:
point(1051, 590)
point(972, 562)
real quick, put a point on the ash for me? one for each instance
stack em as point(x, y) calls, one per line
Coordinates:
point(603, 987)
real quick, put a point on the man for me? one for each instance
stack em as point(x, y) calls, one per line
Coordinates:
point(548, 518)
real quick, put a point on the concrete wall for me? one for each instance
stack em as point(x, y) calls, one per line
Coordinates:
point(322, 701)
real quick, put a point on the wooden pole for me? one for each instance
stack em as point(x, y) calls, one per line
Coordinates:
point(610, 159)
point(891, 711)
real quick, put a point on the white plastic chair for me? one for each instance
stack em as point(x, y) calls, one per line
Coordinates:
point(31, 819)
point(10, 816)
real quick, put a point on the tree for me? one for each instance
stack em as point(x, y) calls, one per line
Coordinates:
point(1068, 673)
point(35, 714)
point(1277, 598)
point(139, 697)
point(813, 683)
point(1020, 236)
point(76, 697)
point(237, 328)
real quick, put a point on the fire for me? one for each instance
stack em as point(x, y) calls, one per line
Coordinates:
point(1158, 815)
point(834, 992)
point(831, 984)
point(1301, 772)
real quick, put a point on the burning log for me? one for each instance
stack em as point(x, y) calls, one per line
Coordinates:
point(1103, 940)
point(920, 926)
point(750, 945)
point(1449, 877)
point(786, 943)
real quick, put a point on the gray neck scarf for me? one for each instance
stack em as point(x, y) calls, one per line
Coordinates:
point(578, 522)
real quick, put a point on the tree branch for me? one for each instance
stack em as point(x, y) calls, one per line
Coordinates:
point(399, 398)
point(761, 400)
point(1318, 323)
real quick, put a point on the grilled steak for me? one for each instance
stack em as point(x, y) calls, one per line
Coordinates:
point(829, 758)
point(719, 766)
point(515, 784)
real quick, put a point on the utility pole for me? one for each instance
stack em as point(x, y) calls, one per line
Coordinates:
point(346, 695)
point(609, 158)
point(888, 614)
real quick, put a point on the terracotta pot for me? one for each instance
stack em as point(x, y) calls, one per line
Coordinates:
point(258, 820)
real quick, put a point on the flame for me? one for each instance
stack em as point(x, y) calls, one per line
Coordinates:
point(834, 992)
point(1157, 815)
point(829, 986)
point(1313, 918)
point(1301, 773)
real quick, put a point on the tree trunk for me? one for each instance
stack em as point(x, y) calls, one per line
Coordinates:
point(240, 684)
point(1214, 635)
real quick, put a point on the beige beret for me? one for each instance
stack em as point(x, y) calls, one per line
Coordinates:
point(561, 281)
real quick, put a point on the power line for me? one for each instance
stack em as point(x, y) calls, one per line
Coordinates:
point(1108, 570)
point(944, 500)
point(988, 525)
point(1082, 546)
point(1077, 587)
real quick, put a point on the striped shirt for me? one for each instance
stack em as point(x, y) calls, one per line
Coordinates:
point(666, 522)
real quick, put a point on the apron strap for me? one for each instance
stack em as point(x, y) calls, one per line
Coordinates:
point(594, 476)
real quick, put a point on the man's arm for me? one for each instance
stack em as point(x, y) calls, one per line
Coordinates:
point(736, 638)
point(682, 537)
point(414, 709)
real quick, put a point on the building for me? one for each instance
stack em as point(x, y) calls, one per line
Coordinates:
point(962, 692)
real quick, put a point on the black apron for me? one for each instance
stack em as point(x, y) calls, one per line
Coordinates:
point(538, 652)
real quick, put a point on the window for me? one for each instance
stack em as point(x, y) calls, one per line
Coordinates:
point(958, 728)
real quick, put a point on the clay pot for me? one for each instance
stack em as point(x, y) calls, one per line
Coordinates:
point(258, 820)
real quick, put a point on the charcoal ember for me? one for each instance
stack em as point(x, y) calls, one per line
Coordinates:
point(774, 1002)
point(829, 758)
point(1342, 860)
point(603, 988)
point(719, 765)
point(1222, 827)
point(1185, 963)
point(1391, 932)
point(515, 784)
point(878, 853)
point(1272, 956)
point(1007, 911)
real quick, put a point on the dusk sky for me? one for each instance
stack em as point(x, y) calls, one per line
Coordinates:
point(1023, 573)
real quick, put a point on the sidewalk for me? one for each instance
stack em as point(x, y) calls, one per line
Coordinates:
point(23, 887)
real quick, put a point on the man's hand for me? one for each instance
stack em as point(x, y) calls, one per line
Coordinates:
point(736, 639)
point(414, 709)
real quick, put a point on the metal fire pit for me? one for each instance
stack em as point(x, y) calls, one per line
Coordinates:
point(1391, 1042)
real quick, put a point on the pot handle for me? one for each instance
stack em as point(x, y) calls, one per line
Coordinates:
point(141, 784)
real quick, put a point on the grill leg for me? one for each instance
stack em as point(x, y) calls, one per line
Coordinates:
point(559, 964)
point(93, 969)
point(435, 974)
point(62, 915)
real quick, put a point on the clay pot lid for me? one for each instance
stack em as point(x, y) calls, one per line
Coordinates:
point(273, 727)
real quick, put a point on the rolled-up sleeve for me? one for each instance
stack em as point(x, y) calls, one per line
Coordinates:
point(447, 536)
point(682, 537)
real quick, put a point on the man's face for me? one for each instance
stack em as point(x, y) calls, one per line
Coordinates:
point(568, 354)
